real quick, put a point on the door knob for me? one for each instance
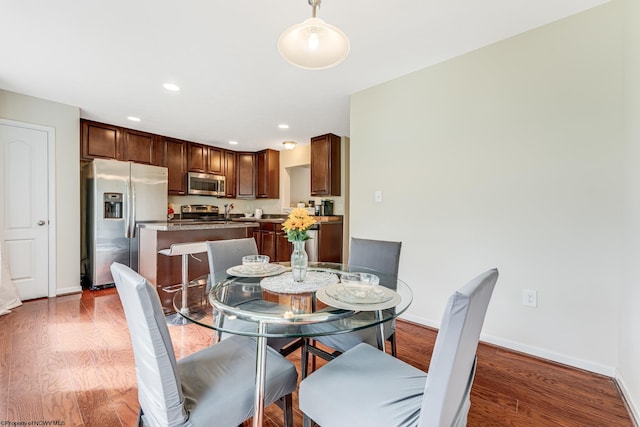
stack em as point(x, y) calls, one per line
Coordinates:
point(42, 222)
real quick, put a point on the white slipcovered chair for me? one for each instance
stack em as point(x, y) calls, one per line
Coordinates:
point(365, 386)
point(214, 386)
point(381, 256)
point(224, 254)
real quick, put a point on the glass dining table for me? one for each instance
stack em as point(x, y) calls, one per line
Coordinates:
point(264, 302)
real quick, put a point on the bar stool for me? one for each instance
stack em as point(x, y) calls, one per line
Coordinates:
point(185, 250)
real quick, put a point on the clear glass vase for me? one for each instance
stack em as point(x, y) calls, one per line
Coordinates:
point(299, 261)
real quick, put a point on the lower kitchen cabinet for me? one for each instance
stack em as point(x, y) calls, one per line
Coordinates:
point(330, 242)
point(273, 242)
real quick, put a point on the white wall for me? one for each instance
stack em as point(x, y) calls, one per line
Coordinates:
point(511, 157)
point(629, 336)
point(66, 121)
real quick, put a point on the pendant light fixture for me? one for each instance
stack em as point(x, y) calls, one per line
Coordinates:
point(313, 44)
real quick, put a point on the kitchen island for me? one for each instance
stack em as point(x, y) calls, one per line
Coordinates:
point(164, 271)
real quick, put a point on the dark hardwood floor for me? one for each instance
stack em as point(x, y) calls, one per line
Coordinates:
point(69, 360)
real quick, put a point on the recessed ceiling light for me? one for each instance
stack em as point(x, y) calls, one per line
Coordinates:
point(171, 87)
point(134, 119)
point(233, 142)
point(283, 126)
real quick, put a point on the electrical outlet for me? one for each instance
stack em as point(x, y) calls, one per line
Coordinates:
point(530, 297)
point(377, 196)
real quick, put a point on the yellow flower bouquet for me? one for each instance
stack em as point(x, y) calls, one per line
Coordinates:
point(297, 224)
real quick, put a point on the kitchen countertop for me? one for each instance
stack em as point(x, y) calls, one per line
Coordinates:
point(185, 225)
point(235, 222)
point(331, 218)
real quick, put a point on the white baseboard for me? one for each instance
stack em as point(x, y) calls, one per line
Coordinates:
point(531, 350)
point(633, 407)
point(69, 290)
point(609, 371)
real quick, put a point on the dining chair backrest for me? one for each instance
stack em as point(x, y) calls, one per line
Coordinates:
point(224, 254)
point(446, 393)
point(159, 388)
point(380, 255)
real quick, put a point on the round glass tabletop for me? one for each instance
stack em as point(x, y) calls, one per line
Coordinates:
point(278, 307)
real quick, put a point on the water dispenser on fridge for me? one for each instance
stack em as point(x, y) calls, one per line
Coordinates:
point(113, 205)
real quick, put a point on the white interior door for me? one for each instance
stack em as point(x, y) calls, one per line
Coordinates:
point(24, 219)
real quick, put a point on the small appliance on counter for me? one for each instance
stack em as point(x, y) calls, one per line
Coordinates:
point(326, 207)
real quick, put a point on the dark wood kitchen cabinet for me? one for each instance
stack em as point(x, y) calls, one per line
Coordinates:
point(141, 147)
point(268, 174)
point(175, 159)
point(216, 161)
point(325, 165)
point(246, 176)
point(274, 242)
point(330, 242)
point(205, 159)
point(230, 174)
point(197, 157)
point(98, 140)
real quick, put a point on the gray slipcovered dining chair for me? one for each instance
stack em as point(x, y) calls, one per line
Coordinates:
point(369, 387)
point(382, 256)
point(213, 386)
point(224, 254)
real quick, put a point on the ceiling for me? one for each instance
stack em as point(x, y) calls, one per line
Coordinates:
point(111, 58)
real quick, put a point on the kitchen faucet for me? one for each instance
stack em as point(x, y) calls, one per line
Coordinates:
point(227, 209)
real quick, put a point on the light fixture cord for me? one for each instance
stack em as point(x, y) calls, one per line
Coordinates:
point(314, 4)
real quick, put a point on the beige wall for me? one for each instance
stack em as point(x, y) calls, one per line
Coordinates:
point(66, 121)
point(629, 335)
point(512, 157)
point(301, 156)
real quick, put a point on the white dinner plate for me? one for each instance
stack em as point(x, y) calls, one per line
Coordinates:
point(378, 294)
point(254, 271)
point(323, 296)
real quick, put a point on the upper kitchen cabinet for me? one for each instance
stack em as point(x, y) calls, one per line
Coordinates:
point(99, 140)
point(141, 147)
point(197, 155)
point(230, 174)
point(268, 174)
point(216, 161)
point(175, 159)
point(325, 165)
point(205, 159)
point(246, 175)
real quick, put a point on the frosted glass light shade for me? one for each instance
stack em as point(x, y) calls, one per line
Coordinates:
point(313, 45)
point(289, 145)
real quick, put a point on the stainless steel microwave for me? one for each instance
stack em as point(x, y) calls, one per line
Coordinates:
point(205, 184)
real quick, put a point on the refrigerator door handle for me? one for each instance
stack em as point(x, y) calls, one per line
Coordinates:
point(127, 215)
point(133, 209)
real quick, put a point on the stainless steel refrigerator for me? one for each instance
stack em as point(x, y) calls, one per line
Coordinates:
point(117, 196)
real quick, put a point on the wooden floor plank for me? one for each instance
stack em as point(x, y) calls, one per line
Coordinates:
point(70, 359)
